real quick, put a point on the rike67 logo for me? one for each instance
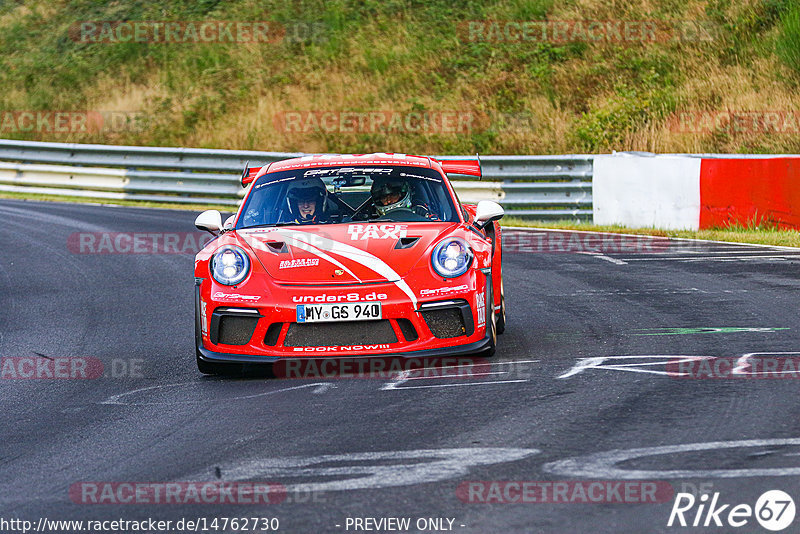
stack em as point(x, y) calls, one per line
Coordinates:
point(774, 510)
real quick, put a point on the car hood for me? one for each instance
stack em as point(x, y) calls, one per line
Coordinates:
point(343, 253)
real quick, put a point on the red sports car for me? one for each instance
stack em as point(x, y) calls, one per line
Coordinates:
point(349, 256)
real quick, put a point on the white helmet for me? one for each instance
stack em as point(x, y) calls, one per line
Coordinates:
point(305, 190)
point(384, 189)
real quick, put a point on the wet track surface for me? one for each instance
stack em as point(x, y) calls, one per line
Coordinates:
point(580, 371)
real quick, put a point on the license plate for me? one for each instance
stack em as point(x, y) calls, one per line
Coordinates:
point(350, 311)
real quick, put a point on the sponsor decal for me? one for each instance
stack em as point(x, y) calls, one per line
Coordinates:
point(480, 305)
point(377, 231)
point(348, 297)
point(443, 290)
point(203, 319)
point(342, 348)
point(302, 262)
point(347, 170)
point(235, 296)
point(418, 177)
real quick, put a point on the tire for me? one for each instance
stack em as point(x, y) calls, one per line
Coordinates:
point(500, 324)
point(491, 322)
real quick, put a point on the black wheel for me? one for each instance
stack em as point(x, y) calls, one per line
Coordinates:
point(488, 353)
point(500, 323)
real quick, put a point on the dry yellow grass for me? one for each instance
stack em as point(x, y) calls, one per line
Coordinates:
point(521, 106)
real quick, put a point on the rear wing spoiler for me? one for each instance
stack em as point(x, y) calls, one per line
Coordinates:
point(469, 167)
point(248, 174)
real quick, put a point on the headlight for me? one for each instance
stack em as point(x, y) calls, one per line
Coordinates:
point(451, 257)
point(230, 265)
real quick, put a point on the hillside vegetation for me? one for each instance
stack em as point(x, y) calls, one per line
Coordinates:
point(527, 96)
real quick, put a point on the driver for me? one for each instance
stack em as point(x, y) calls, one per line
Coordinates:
point(389, 194)
point(307, 199)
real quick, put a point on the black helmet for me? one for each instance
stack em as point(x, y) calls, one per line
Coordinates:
point(307, 189)
point(383, 187)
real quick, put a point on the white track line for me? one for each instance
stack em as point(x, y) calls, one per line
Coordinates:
point(488, 382)
point(718, 258)
point(609, 259)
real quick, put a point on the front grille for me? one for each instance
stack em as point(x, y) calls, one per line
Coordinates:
point(235, 330)
point(408, 330)
point(445, 322)
point(274, 330)
point(340, 333)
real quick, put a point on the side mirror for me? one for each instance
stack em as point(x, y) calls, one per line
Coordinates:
point(486, 212)
point(229, 223)
point(210, 221)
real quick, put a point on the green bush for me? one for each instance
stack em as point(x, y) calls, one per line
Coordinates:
point(788, 43)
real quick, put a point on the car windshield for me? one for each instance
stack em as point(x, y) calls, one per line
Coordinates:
point(331, 195)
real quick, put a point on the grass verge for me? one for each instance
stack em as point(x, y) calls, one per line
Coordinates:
point(734, 234)
point(115, 202)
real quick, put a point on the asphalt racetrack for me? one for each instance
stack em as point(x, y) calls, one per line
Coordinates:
point(627, 362)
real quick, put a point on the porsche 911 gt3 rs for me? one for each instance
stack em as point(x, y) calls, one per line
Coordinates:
point(349, 256)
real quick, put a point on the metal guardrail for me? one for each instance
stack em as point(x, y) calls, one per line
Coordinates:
point(533, 187)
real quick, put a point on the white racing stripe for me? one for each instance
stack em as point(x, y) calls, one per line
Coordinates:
point(357, 255)
point(313, 250)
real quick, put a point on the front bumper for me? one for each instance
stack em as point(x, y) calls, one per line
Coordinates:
point(457, 350)
point(266, 343)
